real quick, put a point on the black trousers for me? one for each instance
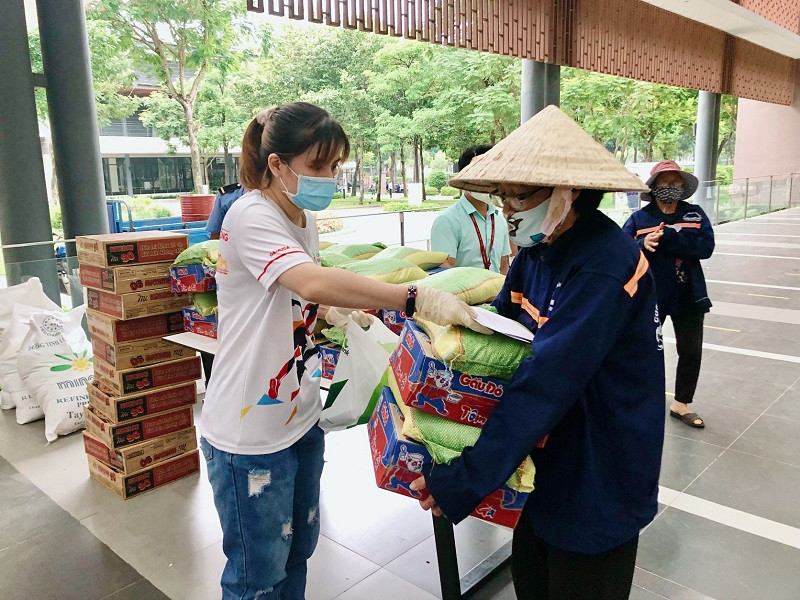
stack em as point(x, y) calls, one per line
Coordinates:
point(689, 342)
point(543, 572)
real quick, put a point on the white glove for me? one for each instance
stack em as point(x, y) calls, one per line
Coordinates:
point(444, 308)
point(338, 317)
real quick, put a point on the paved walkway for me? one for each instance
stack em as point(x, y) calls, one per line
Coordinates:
point(728, 529)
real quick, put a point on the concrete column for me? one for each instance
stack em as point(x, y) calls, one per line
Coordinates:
point(128, 178)
point(24, 213)
point(552, 84)
point(73, 119)
point(705, 149)
point(541, 86)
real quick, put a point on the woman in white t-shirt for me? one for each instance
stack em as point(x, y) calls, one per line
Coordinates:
point(260, 439)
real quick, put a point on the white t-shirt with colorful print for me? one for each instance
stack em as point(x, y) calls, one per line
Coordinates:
point(264, 391)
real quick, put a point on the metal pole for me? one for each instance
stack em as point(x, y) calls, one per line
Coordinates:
point(446, 557)
point(746, 196)
point(70, 100)
point(716, 212)
point(791, 188)
point(402, 216)
point(552, 85)
point(24, 213)
point(769, 202)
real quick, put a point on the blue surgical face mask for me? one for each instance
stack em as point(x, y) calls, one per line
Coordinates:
point(525, 227)
point(313, 193)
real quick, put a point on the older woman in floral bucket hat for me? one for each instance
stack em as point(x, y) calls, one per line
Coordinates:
point(676, 236)
point(595, 382)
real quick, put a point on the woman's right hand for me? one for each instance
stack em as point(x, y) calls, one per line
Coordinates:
point(652, 239)
point(444, 308)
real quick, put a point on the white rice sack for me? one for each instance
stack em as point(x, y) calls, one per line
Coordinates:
point(10, 344)
point(55, 363)
point(29, 293)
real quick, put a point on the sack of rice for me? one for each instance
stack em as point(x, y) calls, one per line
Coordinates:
point(462, 349)
point(10, 343)
point(390, 270)
point(446, 440)
point(356, 251)
point(205, 303)
point(424, 259)
point(204, 253)
point(471, 284)
point(324, 244)
point(329, 258)
point(56, 364)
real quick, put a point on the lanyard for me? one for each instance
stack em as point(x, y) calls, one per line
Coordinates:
point(486, 258)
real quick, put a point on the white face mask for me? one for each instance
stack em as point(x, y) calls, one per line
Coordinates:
point(481, 197)
point(525, 227)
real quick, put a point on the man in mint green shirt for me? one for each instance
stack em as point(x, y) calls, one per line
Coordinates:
point(472, 231)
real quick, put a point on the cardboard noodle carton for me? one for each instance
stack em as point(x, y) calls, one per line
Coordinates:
point(120, 409)
point(114, 331)
point(140, 379)
point(124, 280)
point(119, 435)
point(138, 247)
point(134, 484)
point(141, 456)
point(137, 304)
point(127, 355)
point(191, 279)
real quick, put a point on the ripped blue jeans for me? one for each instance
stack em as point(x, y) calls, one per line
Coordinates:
point(268, 507)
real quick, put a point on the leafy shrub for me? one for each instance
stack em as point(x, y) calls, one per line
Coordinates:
point(55, 218)
point(338, 196)
point(725, 174)
point(431, 191)
point(144, 207)
point(437, 179)
point(450, 191)
point(395, 206)
point(327, 223)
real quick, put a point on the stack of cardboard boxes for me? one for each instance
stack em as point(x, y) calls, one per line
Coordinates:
point(139, 422)
point(424, 382)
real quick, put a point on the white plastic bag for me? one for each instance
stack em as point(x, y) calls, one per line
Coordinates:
point(10, 344)
point(30, 293)
point(55, 363)
point(359, 376)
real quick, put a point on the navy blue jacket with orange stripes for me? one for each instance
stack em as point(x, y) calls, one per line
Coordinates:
point(688, 238)
point(595, 384)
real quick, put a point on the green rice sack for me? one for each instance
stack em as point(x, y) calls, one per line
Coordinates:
point(205, 303)
point(336, 335)
point(355, 251)
point(464, 350)
point(390, 270)
point(324, 244)
point(446, 440)
point(204, 253)
point(422, 258)
point(333, 259)
point(471, 284)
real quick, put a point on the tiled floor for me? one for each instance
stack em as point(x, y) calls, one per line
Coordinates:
point(728, 527)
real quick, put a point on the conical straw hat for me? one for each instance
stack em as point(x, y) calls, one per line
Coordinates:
point(549, 150)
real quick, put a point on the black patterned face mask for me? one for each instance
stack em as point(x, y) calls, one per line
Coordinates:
point(668, 195)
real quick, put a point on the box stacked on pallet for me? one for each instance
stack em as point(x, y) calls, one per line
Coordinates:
point(194, 272)
point(427, 398)
point(139, 421)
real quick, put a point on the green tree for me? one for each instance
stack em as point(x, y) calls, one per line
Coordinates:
point(112, 74)
point(177, 41)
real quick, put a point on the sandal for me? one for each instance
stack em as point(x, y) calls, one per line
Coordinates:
point(689, 419)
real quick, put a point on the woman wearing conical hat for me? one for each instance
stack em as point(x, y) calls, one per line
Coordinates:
point(595, 383)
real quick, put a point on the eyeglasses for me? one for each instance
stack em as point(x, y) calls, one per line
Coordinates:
point(516, 201)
